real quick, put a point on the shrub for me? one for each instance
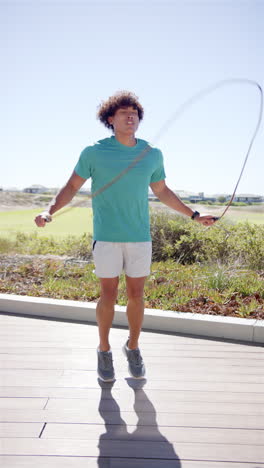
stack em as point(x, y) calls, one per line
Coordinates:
point(33, 244)
point(6, 245)
point(186, 242)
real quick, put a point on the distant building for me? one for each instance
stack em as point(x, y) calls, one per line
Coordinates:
point(12, 189)
point(189, 196)
point(194, 197)
point(35, 189)
point(248, 198)
point(200, 197)
point(152, 197)
point(84, 191)
point(221, 197)
point(52, 190)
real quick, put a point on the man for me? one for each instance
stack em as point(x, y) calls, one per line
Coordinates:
point(121, 168)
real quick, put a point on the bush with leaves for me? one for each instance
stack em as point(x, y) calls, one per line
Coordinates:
point(186, 241)
point(34, 244)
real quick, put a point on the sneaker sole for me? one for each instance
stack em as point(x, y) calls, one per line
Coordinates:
point(105, 380)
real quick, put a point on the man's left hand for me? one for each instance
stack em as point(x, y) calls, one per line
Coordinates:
point(206, 220)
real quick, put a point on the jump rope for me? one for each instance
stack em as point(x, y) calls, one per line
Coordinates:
point(174, 117)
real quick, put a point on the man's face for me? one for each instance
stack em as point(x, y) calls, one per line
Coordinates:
point(125, 120)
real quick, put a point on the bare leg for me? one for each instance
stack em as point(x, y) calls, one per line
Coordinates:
point(105, 310)
point(135, 308)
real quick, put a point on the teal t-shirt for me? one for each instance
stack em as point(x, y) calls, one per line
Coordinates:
point(121, 211)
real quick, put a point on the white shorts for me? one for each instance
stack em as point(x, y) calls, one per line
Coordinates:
point(112, 258)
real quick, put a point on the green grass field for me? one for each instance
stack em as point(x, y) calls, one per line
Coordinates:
point(75, 222)
point(237, 214)
point(253, 214)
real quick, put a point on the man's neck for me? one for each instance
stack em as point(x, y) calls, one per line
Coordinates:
point(127, 140)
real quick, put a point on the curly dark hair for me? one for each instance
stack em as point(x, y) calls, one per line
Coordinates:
point(120, 99)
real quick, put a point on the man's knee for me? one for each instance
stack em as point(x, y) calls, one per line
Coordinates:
point(109, 296)
point(135, 288)
point(109, 290)
point(135, 293)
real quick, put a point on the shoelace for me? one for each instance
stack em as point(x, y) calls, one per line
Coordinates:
point(136, 357)
point(107, 360)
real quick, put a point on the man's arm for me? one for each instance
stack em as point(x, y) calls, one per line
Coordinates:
point(64, 197)
point(168, 197)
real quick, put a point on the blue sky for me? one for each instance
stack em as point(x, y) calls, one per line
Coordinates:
point(60, 59)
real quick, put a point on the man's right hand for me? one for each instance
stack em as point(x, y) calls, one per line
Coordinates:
point(64, 197)
point(43, 218)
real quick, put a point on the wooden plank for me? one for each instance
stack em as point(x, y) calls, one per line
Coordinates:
point(47, 339)
point(89, 361)
point(194, 386)
point(161, 419)
point(170, 383)
point(27, 373)
point(89, 379)
point(143, 463)
point(14, 378)
point(153, 395)
point(63, 462)
point(93, 462)
point(128, 449)
point(151, 354)
point(206, 368)
point(145, 405)
point(153, 433)
point(190, 373)
point(193, 362)
point(20, 429)
point(86, 336)
point(30, 403)
point(13, 343)
point(82, 345)
point(171, 348)
point(194, 374)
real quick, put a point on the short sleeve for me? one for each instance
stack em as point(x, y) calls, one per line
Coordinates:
point(159, 172)
point(84, 167)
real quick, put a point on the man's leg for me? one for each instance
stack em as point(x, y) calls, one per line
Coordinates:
point(105, 310)
point(135, 308)
point(135, 314)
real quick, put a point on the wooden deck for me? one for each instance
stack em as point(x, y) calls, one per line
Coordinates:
point(201, 405)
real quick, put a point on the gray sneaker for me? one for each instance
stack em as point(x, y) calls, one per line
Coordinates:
point(105, 369)
point(135, 362)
